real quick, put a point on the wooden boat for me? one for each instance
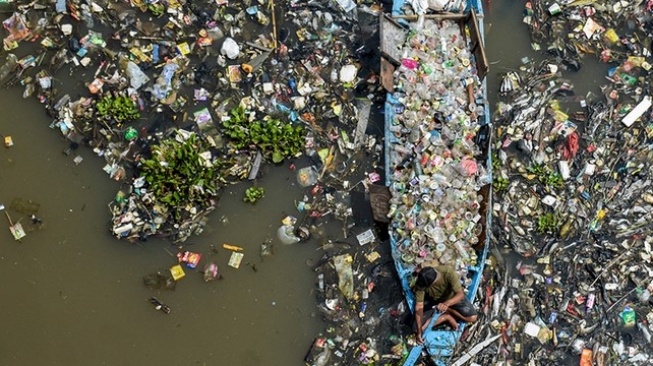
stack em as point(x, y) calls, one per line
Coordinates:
point(395, 29)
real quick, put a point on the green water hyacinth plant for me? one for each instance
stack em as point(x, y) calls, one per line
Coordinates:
point(178, 176)
point(548, 223)
point(276, 139)
point(120, 109)
point(500, 183)
point(546, 176)
point(157, 9)
point(253, 194)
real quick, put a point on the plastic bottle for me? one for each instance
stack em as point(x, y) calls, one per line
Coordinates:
point(293, 85)
point(628, 79)
point(645, 331)
point(361, 312)
point(8, 66)
point(463, 251)
point(88, 18)
point(628, 317)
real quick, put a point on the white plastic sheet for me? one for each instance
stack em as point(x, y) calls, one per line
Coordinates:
point(137, 77)
point(230, 48)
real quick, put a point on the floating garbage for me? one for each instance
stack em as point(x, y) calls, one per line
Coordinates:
point(230, 48)
point(266, 249)
point(16, 229)
point(342, 264)
point(307, 176)
point(180, 102)
point(189, 258)
point(159, 281)
point(177, 272)
point(158, 305)
point(235, 259)
point(210, 271)
point(571, 182)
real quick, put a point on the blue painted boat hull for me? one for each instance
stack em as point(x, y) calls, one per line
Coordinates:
point(439, 344)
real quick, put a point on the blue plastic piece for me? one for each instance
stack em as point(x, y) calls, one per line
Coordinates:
point(155, 53)
point(293, 85)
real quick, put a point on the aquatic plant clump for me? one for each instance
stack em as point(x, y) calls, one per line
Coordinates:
point(548, 223)
point(177, 187)
point(276, 139)
point(253, 194)
point(546, 176)
point(181, 174)
point(119, 109)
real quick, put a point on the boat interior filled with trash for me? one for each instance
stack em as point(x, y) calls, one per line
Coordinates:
point(438, 165)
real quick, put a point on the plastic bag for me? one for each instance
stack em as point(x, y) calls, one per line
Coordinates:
point(419, 6)
point(286, 235)
point(348, 73)
point(438, 5)
point(345, 274)
point(230, 48)
point(266, 249)
point(347, 5)
point(137, 77)
point(307, 176)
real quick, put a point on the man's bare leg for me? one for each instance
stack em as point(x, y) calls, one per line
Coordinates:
point(457, 316)
point(440, 320)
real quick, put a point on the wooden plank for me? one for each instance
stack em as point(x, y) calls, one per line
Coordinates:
point(482, 65)
point(390, 34)
point(483, 210)
point(387, 75)
point(364, 107)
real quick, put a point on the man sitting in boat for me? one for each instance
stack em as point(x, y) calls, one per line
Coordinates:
point(438, 287)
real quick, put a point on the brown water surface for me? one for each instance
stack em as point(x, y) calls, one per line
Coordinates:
point(72, 294)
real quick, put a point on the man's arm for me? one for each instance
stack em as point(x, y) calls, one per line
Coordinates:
point(443, 306)
point(419, 312)
point(453, 280)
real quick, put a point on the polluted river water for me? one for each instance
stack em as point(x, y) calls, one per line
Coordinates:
point(72, 294)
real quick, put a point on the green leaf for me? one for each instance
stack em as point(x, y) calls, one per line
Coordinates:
point(277, 157)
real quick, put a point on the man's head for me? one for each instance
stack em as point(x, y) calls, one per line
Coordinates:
point(426, 277)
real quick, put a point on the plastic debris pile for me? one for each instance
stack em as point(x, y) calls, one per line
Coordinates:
point(437, 177)
point(572, 191)
point(359, 296)
point(187, 86)
point(611, 30)
point(151, 69)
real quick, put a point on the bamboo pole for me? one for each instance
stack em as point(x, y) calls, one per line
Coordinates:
point(12, 228)
point(274, 25)
point(9, 218)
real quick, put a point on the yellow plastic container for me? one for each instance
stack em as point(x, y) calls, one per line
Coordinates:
point(183, 48)
point(177, 272)
point(611, 35)
point(637, 61)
